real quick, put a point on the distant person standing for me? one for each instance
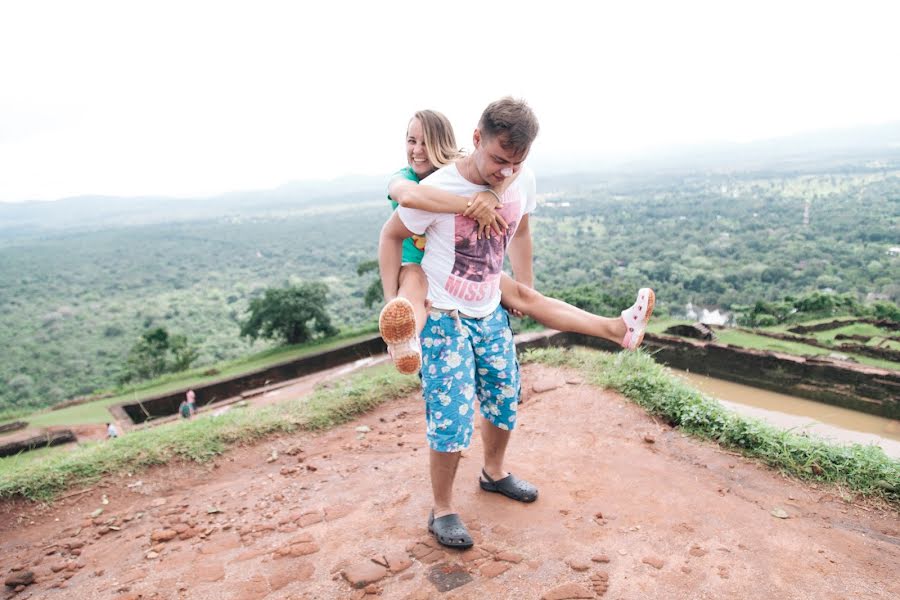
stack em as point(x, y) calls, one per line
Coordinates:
point(188, 407)
point(111, 431)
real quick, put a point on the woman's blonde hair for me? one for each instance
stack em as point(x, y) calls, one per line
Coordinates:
point(440, 143)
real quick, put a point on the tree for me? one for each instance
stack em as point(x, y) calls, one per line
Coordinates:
point(183, 353)
point(375, 292)
point(149, 357)
point(887, 310)
point(294, 314)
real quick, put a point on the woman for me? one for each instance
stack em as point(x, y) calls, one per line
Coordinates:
point(430, 145)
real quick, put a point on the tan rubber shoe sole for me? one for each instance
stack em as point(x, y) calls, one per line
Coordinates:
point(397, 322)
point(408, 364)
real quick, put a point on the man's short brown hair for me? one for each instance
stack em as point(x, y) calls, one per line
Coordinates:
point(510, 120)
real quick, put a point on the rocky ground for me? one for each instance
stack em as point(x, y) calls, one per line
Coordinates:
point(629, 508)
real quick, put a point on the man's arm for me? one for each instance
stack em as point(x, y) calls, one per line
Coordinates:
point(390, 254)
point(520, 253)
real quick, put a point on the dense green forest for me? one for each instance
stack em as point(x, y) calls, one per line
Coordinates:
point(726, 240)
point(75, 300)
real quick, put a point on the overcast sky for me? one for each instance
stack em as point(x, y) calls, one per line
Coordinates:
point(194, 98)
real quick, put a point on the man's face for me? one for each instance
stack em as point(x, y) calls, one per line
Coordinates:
point(495, 163)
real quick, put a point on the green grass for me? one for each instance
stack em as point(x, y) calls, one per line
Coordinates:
point(660, 325)
point(761, 342)
point(23, 459)
point(783, 328)
point(744, 339)
point(97, 411)
point(201, 439)
point(864, 469)
point(876, 333)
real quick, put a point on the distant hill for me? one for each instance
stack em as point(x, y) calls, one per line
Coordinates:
point(811, 152)
point(818, 151)
point(822, 148)
point(94, 212)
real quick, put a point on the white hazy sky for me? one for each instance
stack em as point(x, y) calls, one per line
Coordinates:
point(194, 98)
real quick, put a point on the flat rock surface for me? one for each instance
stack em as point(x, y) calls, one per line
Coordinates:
point(244, 526)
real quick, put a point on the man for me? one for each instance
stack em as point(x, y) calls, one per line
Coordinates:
point(467, 344)
point(188, 406)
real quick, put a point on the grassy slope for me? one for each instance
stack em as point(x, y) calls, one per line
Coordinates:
point(203, 438)
point(864, 469)
point(96, 411)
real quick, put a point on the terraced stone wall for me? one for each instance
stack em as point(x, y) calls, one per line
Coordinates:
point(167, 404)
point(859, 387)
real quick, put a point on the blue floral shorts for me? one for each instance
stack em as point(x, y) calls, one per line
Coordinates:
point(465, 359)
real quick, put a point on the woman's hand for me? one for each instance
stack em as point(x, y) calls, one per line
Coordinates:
point(483, 208)
point(513, 311)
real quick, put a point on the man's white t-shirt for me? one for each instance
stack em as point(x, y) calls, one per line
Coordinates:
point(464, 272)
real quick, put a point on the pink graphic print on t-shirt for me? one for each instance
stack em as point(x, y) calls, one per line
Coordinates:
point(478, 262)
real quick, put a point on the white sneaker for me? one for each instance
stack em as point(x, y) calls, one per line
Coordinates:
point(636, 318)
point(397, 324)
point(407, 356)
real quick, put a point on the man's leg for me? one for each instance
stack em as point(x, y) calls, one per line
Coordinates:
point(443, 472)
point(448, 380)
point(498, 388)
point(495, 441)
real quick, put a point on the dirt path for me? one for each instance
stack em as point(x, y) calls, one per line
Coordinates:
point(628, 509)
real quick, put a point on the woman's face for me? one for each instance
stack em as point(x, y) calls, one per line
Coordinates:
point(416, 155)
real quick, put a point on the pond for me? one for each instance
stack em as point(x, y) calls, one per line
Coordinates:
point(837, 424)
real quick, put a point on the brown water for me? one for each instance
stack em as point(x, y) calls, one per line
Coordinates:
point(824, 420)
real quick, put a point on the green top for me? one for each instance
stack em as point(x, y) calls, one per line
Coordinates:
point(414, 247)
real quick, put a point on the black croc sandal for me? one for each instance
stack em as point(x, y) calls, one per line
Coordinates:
point(510, 486)
point(449, 531)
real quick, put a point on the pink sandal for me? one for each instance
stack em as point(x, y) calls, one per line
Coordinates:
point(637, 317)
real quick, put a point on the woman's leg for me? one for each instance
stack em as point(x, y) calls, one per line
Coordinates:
point(402, 319)
point(414, 287)
point(556, 314)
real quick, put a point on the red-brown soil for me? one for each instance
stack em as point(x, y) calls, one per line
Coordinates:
point(629, 508)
